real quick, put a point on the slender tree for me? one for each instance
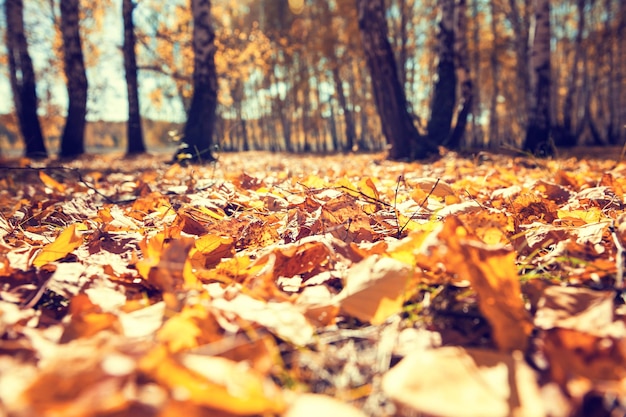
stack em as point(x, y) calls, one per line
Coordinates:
point(462, 64)
point(198, 134)
point(538, 131)
point(397, 122)
point(134, 132)
point(73, 139)
point(568, 135)
point(494, 60)
point(22, 77)
point(444, 96)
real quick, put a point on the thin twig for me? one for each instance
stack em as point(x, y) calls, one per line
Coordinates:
point(81, 180)
point(421, 206)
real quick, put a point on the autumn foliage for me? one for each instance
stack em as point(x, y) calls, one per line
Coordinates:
point(302, 286)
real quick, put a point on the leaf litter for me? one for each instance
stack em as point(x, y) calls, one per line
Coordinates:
point(273, 285)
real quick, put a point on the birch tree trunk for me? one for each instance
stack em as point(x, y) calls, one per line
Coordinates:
point(22, 78)
point(538, 131)
point(397, 124)
point(134, 132)
point(200, 125)
point(73, 139)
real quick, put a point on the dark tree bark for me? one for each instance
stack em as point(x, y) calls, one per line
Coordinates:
point(444, 95)
point(199, 129)
point(350, 130)
point(397, 123)
point(494, 129)
point(567, 135)
point(520, 22)
point(538, 131)
point(135, 144)
point(22, 77)
point(465, 82)
point(73, 139)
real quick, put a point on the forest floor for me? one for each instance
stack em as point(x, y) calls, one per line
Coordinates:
point(274, 285)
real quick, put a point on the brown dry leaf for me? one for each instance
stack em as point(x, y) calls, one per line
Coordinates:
point(456, 382)
point(283, 319)
point(530, 208)
point(579, 309)
point(165, 265)
point(438, 187)
point(493, 275)
point(375, 289)
point(574, 355)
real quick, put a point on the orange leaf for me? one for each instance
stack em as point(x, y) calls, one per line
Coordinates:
point(210, 249)
point(493, 275)
point(64, 244)
point(51, 182)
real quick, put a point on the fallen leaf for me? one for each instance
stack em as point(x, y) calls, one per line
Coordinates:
point(493, 275)
point(65, 243)
point(52, 183)
point(375, 289)
point(213, 382)
point(314, 405)
point(457, 382)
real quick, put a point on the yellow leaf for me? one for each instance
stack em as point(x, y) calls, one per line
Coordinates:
point(65, 243)
point(214, 212)
point(214, 382)
point(348, 187)
point(367, 187)
point(590, 215)
point(51, 182)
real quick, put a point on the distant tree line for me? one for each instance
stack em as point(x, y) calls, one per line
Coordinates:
point(335, 75)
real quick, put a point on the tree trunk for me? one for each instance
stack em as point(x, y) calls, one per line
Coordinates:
point(397, 123)
point(494, 129)
point(444, 95)
point(73, 139)
point(134, 131)
point(538, 131)
point(614, 75)
point(347, 114)
point(520, 23)
point(22, 77)
point(567, 136)
point(200, 124)
point(477, 129)
point(465, 82)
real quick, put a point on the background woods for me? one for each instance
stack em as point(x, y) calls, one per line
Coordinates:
point(312, 76)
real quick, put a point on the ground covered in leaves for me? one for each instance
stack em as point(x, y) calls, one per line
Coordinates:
point(273, 285)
